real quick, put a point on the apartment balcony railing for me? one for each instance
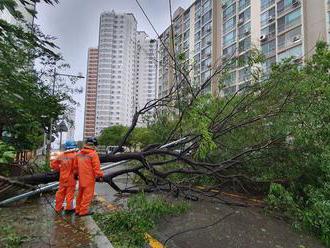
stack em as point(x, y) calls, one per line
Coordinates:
point(285, 26)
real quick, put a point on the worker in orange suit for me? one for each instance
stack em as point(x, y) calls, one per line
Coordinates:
point(87, 163)
point(64, 164)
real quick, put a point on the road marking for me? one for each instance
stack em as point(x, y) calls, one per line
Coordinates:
point(153, 243)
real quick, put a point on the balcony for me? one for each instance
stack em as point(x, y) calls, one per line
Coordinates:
point(283, 8)
point(289, 21)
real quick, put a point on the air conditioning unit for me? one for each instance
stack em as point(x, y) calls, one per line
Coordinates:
point(271, 18)
point(295, 3)
point(247, 32)
point(296, 39)
point(263, 38)
point(209, 42)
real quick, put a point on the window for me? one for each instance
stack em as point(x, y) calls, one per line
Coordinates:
point(206, 6)
point(206, 64)
point(243, 4)
point(197, 25)
point(290, 38)
point(284, 5)
point(244, 30)
point(207, 17)
point(229, 51)
point(268, 48)
point(268, 17)
point(206, 52)
point(197, 36)
point(229, 38)
point(269, 31)
point(206, 41)
point(229, 25)
point(244, 74)
point(206, 29)
point(266, 3)
point(289, 20)
point(228, 12)
point(293, 52)
point(230, 78)
point(244, 45)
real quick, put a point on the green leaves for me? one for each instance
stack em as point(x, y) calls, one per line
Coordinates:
point(128, 227)
point(112, 135)
point(7, 153)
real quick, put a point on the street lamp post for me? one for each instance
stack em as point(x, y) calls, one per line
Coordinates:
point(49, 143)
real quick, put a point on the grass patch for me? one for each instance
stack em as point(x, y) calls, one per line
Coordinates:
point(127, 228)
point(10, 239)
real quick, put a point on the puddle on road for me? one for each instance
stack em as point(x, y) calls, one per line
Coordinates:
point(37, 222)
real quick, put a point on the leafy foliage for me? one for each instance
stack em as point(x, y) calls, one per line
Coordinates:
point(27, 98)
point(7, 153)
point(127, 228)
point(112, 135)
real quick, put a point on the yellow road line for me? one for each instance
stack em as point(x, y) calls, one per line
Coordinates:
point(153, 242)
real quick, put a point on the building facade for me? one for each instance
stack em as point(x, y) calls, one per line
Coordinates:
point(145, 70)
point(116, 69)
point(210, 33)
point(90, 96)
point(195, 38)
point(124, 77)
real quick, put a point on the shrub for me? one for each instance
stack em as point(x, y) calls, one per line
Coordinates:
point(127, 228)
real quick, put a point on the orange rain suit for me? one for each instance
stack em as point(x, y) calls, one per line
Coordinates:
point(64, 164)
point(88, 165)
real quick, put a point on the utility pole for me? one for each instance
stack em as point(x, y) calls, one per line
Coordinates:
point(51, 123)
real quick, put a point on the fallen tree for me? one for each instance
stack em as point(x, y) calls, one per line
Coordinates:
point(227, 139)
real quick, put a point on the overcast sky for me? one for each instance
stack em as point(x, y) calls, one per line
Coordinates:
point(75, 23)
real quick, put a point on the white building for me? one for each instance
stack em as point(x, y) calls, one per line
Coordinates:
point(126, 73)
point(145, 71)
point(114, 102)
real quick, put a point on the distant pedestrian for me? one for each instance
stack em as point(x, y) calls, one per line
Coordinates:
point(87, 164)
point(64, 164)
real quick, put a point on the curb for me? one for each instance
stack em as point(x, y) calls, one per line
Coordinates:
point(100, 240)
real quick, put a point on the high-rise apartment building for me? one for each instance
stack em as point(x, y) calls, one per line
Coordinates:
point(196, 41)
point(90, 96)
point(124, 77)
point(211, 32)
point(116, 69)
point(145, 70)
point(280, 29)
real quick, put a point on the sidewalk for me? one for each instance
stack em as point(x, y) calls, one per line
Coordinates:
point(35, 223)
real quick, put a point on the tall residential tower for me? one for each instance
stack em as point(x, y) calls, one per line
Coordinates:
point(125, 78)
point(90, 96)
point(210, 32)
